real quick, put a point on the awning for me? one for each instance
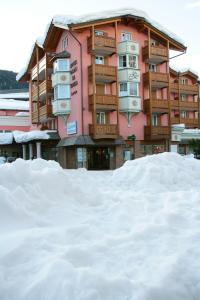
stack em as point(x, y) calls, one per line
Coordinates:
point(86, 140)
point(81, 140)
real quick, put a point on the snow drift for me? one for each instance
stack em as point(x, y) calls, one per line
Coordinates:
point(131, 234)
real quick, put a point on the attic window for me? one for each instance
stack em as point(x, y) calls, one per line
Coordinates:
point(126, 36)
point(64, 43)
point(99, 33)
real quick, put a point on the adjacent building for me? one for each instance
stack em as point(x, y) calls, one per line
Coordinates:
point(103, 83)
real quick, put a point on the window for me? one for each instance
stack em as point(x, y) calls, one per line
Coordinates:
point(123, 89)
point(61, 65)
point(154, 119)
point(101, 118)
point(128, 61)
point(128, 89)
point(133, 89)
point(184, 97)
point(133, 61)
point(99, 60)
point(184, 81)
point(122, 61)
point(62, 91)
point(64, 43)
point(184, 114)
point(196, 114)
point(126, 36)
point(152, 67)
point(99, 33)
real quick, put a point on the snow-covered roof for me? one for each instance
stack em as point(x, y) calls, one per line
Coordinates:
point(64, 21)
point(6, 138)
point(24, 95)
point(23, 137)
point(22, 114)
point(184, 70)
point(11, 104)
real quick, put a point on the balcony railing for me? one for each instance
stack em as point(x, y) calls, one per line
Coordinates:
point(157, 54)
point(184, 88)
point(157, 132)
point(175, 120)
point(190, 122)
point(102, 45)
point(186, 105)
point(157, 79)
point(103, 73)
point(100, 131)
point(157, 105)
point(174, 104)
point(45, 112)
point(42, 65)
point(44, 88)
point(105, 102)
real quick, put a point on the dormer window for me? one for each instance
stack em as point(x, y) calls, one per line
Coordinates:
point(184, 81)
point(126, 36)
point(152, 67)
point(61, 65)
point(99, 60)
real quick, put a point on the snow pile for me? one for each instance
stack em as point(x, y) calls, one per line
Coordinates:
point(23, 137)
point(20, 95)
point(129, 234)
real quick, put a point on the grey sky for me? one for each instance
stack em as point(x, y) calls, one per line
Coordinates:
point(22, 21)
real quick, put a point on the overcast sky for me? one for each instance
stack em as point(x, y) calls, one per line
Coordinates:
point(22, 21)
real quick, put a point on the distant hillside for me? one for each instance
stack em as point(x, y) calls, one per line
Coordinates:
point(8, 81)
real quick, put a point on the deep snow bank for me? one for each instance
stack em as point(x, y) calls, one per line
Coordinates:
point(128, 234)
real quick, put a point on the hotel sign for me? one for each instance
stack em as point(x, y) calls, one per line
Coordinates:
point(72, 127)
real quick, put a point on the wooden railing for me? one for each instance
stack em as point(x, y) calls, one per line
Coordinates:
point(43, 63)
point(174, 103)
point(156, 104)
point(157, 132)
point(34, 116)
point(184, 88)
point(189, 122)
point(156, 76)
point(102, 42)
point(45, 110)
point(175, 120)
point(189, 105)
point(155, 51)
point(104, 130)
point(104, 72)
point(103, 100)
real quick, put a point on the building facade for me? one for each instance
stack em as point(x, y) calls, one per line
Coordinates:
point(104, 84)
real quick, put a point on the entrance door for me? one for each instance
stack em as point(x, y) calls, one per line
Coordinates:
point(99, 159)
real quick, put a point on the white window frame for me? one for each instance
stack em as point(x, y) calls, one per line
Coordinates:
point(62, 91)
point(125, 89)
point(57, 66)
point(99, 59)
point(101, 117)
point(126, 36)
point(154, 120)
point(126, 62)
point(184, 114)
point(184, 81)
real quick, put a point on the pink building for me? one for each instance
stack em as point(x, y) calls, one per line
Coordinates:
point(103, 82)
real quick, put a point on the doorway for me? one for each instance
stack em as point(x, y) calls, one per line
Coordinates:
point(98, 158)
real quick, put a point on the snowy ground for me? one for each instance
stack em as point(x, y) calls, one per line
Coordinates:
point(131, 234)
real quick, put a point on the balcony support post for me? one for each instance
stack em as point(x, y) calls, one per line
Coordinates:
point(30, 151)
point(38, 148)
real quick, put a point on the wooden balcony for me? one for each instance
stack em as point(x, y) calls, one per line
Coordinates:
point(103, 45)
point(191, 106)
point(43, 64)
point(175, 120)
point(45, 112)
point(34, 117)
point(103, 102)
point(174, 104)
point(44, 88)
point(189, 122)
point(184, 89)
point(158, 106)
point(158, 54)
point(103, 73)
point(156, 79)
point(156, 132)
point(103, 131)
